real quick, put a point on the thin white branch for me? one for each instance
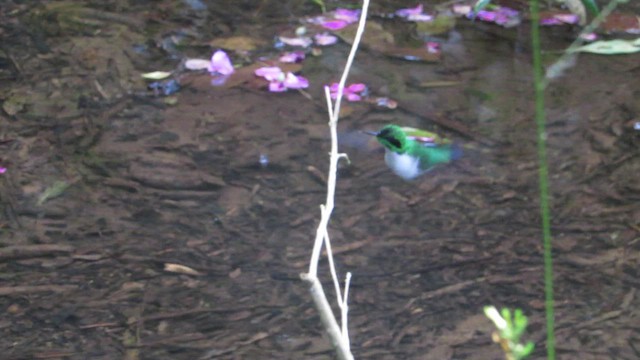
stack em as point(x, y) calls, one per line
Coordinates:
point(339, 338)
point(345, 310)
point(347, 67)
point(327, 318)
point(332, 269)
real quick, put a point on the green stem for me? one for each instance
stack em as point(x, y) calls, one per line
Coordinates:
point(543, 175)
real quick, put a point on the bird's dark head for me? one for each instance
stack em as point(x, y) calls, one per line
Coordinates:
point(393, 138)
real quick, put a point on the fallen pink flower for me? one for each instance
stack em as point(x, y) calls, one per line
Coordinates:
point(292, 57)
point(302, 41)
point(433, 47)
point(353, 92)
point(325, 39)
point(589, 37)
point(414, 14)
point(3, 170)
point(420, 17)
point(503, 16)
point(334, 24)
point(279, 81)
point(341, 18)
point(292, 81)
point(220, 63)
point(560, 19)
point(347, 15)
point(269, 72)
point(410, 11)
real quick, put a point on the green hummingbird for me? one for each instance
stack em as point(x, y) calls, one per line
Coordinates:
point(411, 152)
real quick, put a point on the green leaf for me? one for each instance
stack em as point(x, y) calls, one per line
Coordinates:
point(528, 349)
point(53, 191)
point(321, 4)
point(479, 6)
point(611, 47)
point(591, 6)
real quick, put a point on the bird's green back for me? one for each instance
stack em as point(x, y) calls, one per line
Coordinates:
point(431, 156)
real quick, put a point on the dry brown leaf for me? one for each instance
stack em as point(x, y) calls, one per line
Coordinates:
point(237, 43)
point(621, 23)
point(180, 269)
point(235, 273)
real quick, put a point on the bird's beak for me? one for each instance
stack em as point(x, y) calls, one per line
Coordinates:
point(372, 133)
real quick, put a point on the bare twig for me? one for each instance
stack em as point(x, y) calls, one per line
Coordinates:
point(22, 290)
point(339, 336)
point(28, 251)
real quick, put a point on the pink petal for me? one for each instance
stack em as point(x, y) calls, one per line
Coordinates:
point(219, 80)
point(270, 73)
point(410, 11)
point(220, 63)
point(292, 57)
point(504, 16)
point(357, 87)
point(484, 15)
point(277, 86)
point(3, 170)
point(197, 64)
point(353, 97)
point(568, 18)
point(325, 39)
point(433, 47)
point(302, 41)
point(551, 21)
point(295, 82)
point(589, 37)
point(420, 17)
point(350, 16)
point(335, 24)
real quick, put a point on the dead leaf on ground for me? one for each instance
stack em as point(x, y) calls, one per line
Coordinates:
point(379, 39)
point(180, 269)
point(237, 43)
point(621, 23)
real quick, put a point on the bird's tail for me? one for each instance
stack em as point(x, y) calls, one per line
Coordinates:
point(455, 152)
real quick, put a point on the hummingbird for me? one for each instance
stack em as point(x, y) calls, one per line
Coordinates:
point(411, 152)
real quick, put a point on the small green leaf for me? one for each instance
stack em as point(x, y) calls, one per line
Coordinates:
point(528, 349)
point(591, 6)
point(479, 6)
point(611, 47)
point(53, 191)
point(321, 4)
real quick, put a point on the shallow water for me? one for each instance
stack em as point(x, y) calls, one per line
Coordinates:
point(148, 184)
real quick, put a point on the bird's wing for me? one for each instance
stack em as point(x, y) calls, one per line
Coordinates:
point(424, 137)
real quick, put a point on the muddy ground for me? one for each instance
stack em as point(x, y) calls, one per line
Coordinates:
point(133, 227)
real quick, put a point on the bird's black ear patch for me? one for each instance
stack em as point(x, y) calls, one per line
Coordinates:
point(395, 142)
point(388, 136)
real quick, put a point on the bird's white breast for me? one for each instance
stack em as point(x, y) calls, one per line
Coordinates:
point(403, 165)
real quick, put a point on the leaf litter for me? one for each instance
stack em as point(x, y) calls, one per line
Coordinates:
point(183, 185)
